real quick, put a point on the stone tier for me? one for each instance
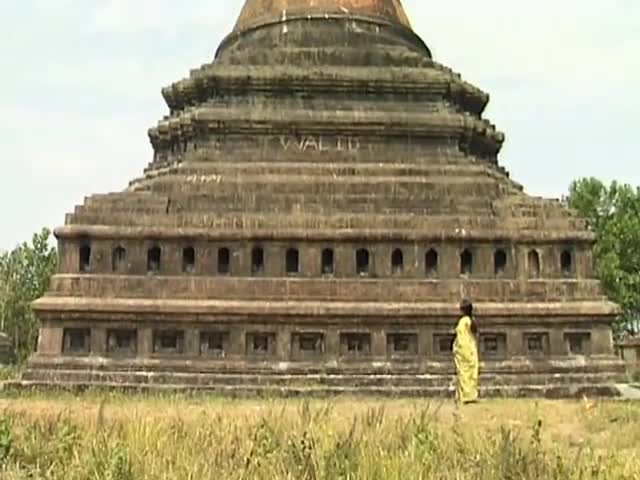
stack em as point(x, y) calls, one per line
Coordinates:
point(475, 136)
point(354, 226)
point(216, 168)
point(509, 379)
point(432, 189)
point(432, 197)
point(324, 85)
point(392, 56)
point(422, 368)
point(200, 286)
point(297, 152)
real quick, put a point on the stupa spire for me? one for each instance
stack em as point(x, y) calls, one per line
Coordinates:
point(255, 12)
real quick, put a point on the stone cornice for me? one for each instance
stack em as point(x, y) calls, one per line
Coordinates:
point(453, 234)
point(213, 79)
point(282, 311)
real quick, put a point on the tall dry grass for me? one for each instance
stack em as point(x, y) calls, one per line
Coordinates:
point(124, 438)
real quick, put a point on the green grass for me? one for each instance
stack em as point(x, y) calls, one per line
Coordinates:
point(9, 372)
point(117, 437)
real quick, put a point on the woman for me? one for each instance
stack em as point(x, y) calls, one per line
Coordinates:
point(465, 353)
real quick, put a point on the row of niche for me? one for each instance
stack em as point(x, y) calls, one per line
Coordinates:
point(293, 266)
point(124, 342)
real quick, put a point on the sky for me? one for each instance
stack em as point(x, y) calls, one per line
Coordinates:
point(80, 85)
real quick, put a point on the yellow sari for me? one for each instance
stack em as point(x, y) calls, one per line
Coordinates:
point(465, 354)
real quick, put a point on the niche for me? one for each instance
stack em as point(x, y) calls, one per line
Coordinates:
point(214, 343)
point(307, 344)
point(362, 262)
point(466, 262)
point(168, 342)
point(224, 261)
point(493, 344)
point(499, 262)
point(431, 263)
point(85, 258)
point(536, 344)
point(292, 261)
point(443, 344)
point(397, 262)
point(119, 260)
point(402, 343)
point(355, 344)
point(566, 262)
point(261, 344)
point(578, 343)
point(188, 260)
point(533, 264)
point(76, 341)
point(257, 261)
point(328, 262)
point(154, 259)
point(122, 342)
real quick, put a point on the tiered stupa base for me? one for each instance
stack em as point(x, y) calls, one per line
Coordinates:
point(321, 349)
point(551, 380)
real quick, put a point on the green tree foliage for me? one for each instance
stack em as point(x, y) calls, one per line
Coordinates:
point(25, 273)
point(613, 213)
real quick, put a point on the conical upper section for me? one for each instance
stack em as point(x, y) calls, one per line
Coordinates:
point(256, 12)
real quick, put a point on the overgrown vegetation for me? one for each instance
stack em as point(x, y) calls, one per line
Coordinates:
point(25, 273)
point(134, 438)
point(613, 213)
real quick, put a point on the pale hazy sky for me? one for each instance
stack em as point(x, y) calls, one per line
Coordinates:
point(80, 85)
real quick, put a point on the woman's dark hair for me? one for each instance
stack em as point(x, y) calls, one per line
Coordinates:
point(466, 307)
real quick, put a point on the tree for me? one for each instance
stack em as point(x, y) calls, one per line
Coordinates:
point(25, 274)
point(613, 213)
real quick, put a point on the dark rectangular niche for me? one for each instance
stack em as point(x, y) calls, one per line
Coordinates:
point(355, 344)
point(168, 342)
point(76, 341)
point(536, 344)
point(402, 343)
point(493, 345)
point(224, 261)
point(307, 345)
point(214, 344)
point(257, 261)
point(261, 343)
point(122, 342)
point(578, 343)
point(443, 344)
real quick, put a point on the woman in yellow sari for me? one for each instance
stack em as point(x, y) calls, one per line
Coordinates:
point(465, 354)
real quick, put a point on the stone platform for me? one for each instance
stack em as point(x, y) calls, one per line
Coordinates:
point(545, 379)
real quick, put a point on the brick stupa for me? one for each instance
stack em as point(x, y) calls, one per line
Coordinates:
point(320, 197)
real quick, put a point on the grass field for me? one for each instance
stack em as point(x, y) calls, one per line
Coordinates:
point(121, 438)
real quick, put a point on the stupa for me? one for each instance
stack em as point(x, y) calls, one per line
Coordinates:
point(321, 196)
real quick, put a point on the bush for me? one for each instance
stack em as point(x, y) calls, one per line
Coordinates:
point(25, 274)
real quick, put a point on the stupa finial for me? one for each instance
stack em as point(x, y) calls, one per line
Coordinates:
point(256, 12)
